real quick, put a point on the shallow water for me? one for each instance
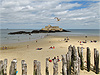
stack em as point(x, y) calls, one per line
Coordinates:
point(5, 38)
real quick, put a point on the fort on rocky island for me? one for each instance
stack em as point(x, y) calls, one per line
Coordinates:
point(52, 28)
point(47, 29)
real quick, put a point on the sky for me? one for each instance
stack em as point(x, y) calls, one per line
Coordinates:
point(36, 14)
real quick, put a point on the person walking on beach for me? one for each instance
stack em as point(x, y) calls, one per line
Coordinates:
point(3, 48)
point(27, 46)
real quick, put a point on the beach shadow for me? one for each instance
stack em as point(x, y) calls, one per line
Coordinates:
point(91, 68)
point(85, 68)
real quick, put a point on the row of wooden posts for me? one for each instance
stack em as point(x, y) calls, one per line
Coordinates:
point(72, 62)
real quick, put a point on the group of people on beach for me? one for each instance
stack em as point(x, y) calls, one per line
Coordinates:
point(82, 42)
point(4, 47)
point(50, 60)
point(86, 41)
point(93, 41)
point(52, 47)
point(66, 39)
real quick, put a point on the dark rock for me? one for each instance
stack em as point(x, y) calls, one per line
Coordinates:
point(65, 30)
point(19, 32)
point(43, 31)
point(37, 31)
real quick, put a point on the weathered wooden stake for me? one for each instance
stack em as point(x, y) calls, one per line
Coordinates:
point(5, 67)
point(64, 65)
point(76, 67)
point(38, 68)
point(1, 67)
point(47, 66)
point(70, 49)
point(65, 69)
point(72, 56)
point(74, 51)
point(97, 62)
point(24, 67)
point(78, 48)
point(55, 67)
point(70, 52)
point(88, 59)
point(68, 56)
point(82, 60)
point(95, 58)
point(75, 56)
point(13, 67)
point(79, 65)
point(35, 67)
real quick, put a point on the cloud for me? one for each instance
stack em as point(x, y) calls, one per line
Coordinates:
point(40, 13)
point(82, 18)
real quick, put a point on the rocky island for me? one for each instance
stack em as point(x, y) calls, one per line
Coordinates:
point(47, 29)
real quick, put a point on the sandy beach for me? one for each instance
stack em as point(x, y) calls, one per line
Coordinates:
point(27, 51)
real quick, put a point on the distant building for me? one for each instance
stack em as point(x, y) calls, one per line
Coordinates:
point(53, 28)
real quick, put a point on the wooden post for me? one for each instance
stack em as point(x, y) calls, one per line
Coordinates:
point(97, 62)
point(95, 58)
point(47, 66)
point(79, 65)
point(70, 52)
point(76, 62)
point(38, 68)
point(65, 69)
point(68, 58)
point(64, 65)
point(82, 60)
point(75, 55)
point(1, 67)
point(35, 67)
point(13, 67)
point(70, 48)
point(72, 56)
point(5, 67)
point(76, 68)
point(55, 67)
point(78, 48)
point(24, 67)
point(88, 59)
point(63, 60)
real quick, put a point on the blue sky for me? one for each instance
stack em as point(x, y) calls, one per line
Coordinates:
point(29, 14)
point(85, 4)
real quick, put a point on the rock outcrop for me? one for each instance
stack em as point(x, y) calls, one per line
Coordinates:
point(47, 29)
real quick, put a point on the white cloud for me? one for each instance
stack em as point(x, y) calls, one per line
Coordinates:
point(82, 18)
point(61, 13)
point(43, 12)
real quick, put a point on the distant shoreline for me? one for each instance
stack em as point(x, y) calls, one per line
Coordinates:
point(5, 38)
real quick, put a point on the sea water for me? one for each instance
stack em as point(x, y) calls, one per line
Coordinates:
point(5, 38)
point(80, 32)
